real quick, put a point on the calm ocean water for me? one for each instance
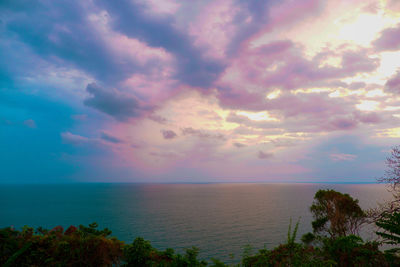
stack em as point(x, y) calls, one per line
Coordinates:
point(218, 218)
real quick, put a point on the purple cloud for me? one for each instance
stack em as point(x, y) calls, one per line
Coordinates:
point(389, 40)
point(70, 39)
point(202, 134)
point(110, 138)
point(114, 103)
point(225, 57)
point(357, 85)
point(343, 123)
point(393, 84)
point(157, 118)
point(264, 155)
point(239, 145)
point(290, 70)
point(133, 20)
point(168, 134)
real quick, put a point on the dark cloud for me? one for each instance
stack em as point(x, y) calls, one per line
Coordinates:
point(393, 84)
point(114, 103)
point(131, 19)
point(63, 34)
point(110, 138)
point(264, 155)
point(389, 40)
point(168, 134)
point(368, 117)
point(342, 123)
point(136, 146)
point(256, 17)
point(202, 134)
point(239, 145)
point(157, 118)
point(254, 11)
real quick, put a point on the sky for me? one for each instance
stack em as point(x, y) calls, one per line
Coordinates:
point(198, 91)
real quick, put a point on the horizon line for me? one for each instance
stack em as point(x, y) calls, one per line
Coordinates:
point(195, 182)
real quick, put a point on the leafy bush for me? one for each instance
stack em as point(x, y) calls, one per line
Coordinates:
point(352, 251)
point(74, 247)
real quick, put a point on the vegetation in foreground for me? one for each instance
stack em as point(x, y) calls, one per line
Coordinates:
point(333, 242)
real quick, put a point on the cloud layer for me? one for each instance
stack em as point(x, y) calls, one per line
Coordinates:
point(224, 90)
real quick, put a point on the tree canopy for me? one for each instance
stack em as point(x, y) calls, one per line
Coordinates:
point(336, 214)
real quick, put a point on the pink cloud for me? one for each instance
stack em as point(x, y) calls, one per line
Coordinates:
point(368, 117)
point(280, 64)
point(389, 40)
point(264, 155)
point(287, 12)
point(168, 134)
point(393, 84)
point(214, 27)
point(342, 123)
point(155, 88)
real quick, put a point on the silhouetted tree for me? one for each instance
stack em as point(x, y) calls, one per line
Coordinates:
point(387, 215)
point(336, 214)
point(392, 173)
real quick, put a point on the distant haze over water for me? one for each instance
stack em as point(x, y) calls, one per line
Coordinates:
point(218, 218)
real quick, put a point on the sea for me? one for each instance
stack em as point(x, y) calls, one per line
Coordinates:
point(220, 219)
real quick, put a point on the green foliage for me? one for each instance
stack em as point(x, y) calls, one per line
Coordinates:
point(191, 257)
point(289, 254)
point(291, 237)
point(336, 214)
point(92, 230)
point(217, 263)
point(352, 251)
point(308, 238)
point(390, 222)
point(139, 253)
point(285, 255)
point(247, 251)
point(57, 248)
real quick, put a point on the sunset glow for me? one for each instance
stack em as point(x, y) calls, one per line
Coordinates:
point(198, 91)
